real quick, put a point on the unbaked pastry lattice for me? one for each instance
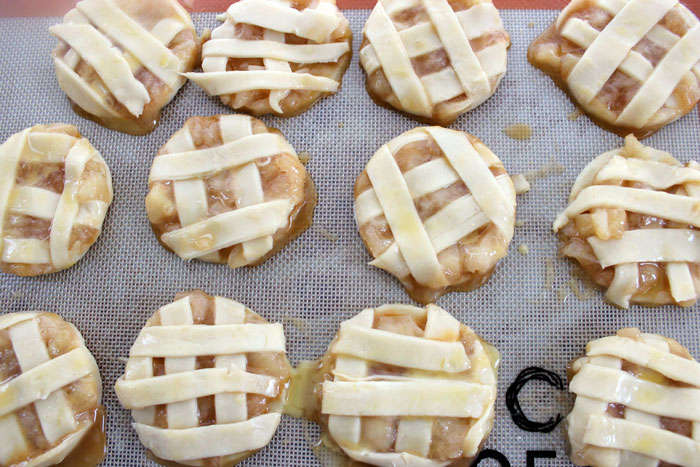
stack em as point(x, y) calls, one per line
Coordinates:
point(205, 381)
point(632, 65)
point(637, 400)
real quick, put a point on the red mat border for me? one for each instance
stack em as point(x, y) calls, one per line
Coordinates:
point(60, 7)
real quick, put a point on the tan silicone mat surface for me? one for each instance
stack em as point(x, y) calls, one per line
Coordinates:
point(533, 309)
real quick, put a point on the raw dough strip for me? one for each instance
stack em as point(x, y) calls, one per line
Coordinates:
point(231, 82)
point(10, 154)
point(139, 42)
point(613, 44)
point(294, 53)
point(670, 365)
point(107, 61)
point(81, 92)
point(619, 387)
point(652, 442)
point(657, 175)
point(392, 55)
point(205, 162)
point(438, 398)
point(310, 23)
point(229, 228)
point(199, 340)
point(648, 246)
point(34, 202)
point(624, 284)
point(682, 209)
point(209, 441)
point(230, 407)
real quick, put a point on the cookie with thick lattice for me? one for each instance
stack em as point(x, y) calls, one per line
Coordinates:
point(632, 224)
point(276, 56)
point(205, 381)
point(50, 392)
point(637, 403)
point(228, 189)
point(433, 59)
point(435, 208)
point(55, 189)
point(408, 386)
point(632, 65)
point(119, 61)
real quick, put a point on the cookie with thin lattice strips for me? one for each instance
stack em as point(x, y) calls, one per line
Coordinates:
point(51, 394)
point(433, 59)
point(278, 58)
point(407, 386)
point(227, 189)
point(632, 65)
point(637, 400)
point(55, 190)
point(632, 224)
point(120, 61)
point(435, 208)
point(205, 381)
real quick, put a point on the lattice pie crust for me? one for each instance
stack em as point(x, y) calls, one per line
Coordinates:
point(632, 65)
point(119, 61)
point(206, 380)
point(228, 189)
point(408, 386)
point(433, 59)
point(637, 403)
point(632, 224)
point(435, 208)
point(55, 189)
point(50, 389)
point(276, 56)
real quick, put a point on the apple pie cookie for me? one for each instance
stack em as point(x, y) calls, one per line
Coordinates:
point(632, 65)
point(228, 189)
point(50, 391)
point(408, 386)
point(435, 208)
point(637, 401)
point(433, 59)
point(119, 61)
point(632, 224)
point(276, 57)
point(55, 189)
point(205, 381)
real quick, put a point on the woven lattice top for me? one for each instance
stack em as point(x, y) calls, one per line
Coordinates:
point(55, 189)
point(634, 65)
point(50, 387)
point(632, 222)
point(409, 386)
point(433, 58)
point(205, 379)
point(120, 60)
point(637, 401)
point(276, 56)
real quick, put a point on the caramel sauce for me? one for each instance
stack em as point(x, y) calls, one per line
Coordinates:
point(519, 131)
point(93, 448)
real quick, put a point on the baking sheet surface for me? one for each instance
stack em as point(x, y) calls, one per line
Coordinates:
point(534, 309)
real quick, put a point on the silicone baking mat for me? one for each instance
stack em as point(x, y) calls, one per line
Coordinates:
point(535, 309)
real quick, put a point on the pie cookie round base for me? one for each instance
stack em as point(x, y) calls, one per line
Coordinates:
point(52, 392)
point(276, 57)
point(637, 396)
point(408, 386)
point(435, 208)
point(227, 189)
point(433, 59)
point(206, 381)
point(55, 190)
point(634, 79)
point(119, 61)
point(632, 224)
